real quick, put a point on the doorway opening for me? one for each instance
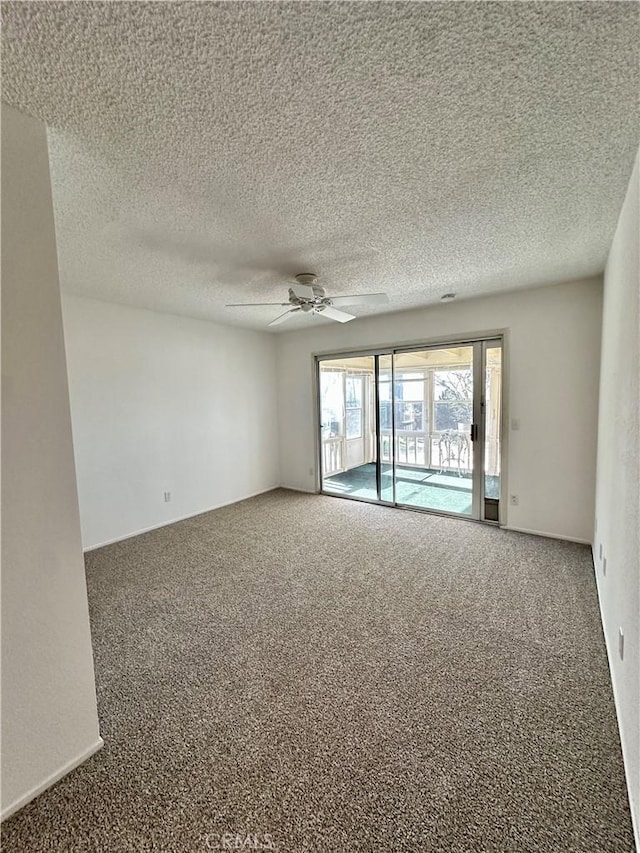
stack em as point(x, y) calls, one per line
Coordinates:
point(417, 428)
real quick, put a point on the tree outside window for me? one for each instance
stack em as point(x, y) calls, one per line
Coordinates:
point(452, 399)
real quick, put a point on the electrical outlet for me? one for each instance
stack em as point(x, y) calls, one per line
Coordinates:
point(515, 423)
point(311, 472)
point(604, 566)
point(514, 500)
point(621, 644)
point(167, 497)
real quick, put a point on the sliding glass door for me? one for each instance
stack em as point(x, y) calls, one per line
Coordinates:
point(384, 388)
point(434, 404)
point(348, 433)
point(417, 428)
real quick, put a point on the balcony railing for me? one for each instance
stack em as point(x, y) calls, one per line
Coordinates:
point(451, 450)
point(332, 456)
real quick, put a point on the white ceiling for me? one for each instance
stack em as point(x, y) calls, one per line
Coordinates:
point(204, 153)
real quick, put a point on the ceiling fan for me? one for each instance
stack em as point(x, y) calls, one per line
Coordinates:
point(308, 296)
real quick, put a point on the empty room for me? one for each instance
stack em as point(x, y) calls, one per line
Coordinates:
point(320, 427)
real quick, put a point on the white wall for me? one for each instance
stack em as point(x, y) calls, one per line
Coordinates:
point(618, 481)
point(553, 357)
point(49, 718)
point(164, 403)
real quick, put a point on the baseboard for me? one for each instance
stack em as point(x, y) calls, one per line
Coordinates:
point(51, 780)
point(546, 535)
point(635, 818)
point(176, 520)
point(297, 489)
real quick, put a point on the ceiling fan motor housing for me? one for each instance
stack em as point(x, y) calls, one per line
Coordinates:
point(315, 302)
point(318, 296)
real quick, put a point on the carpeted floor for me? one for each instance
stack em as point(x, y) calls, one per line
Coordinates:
point(335, 676)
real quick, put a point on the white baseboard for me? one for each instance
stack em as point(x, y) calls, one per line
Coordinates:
point(51, 780)
point(297, 489)
point(546, 535)
point(175, 520)
point(635, 818)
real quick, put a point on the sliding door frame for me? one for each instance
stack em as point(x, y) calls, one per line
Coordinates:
point(478, 458)
point(480, 342)
point(376, 406)
point(317, 360)
point(485, 344)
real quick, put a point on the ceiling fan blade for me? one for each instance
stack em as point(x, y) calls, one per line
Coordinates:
point(333, 314)
point(360, 299)
point(253, 304)
point(282, 317)
point(304, 291)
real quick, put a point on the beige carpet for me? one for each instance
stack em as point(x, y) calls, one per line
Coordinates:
point(326, 675)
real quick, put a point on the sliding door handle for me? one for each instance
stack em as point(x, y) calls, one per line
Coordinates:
point(474, 432)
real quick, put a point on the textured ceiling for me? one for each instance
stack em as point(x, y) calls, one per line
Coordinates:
point(203, 153)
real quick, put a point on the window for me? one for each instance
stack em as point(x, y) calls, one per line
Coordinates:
point(452, 400)
point(332, 404)
point(384, 392)
point(410, 402)
point(353, 405)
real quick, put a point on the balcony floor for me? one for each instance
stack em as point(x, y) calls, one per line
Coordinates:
point(421, 487)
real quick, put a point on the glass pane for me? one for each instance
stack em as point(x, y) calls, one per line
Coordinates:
point(453, 384)
point(453, 416)
point(347, 430)
point(493, 414)
point(386, 436)
point(433, 393)
point(331, 403)
point(354, 392)
point(354, 423)
point(413, 390)
point(409, 416)
point(385, 415)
